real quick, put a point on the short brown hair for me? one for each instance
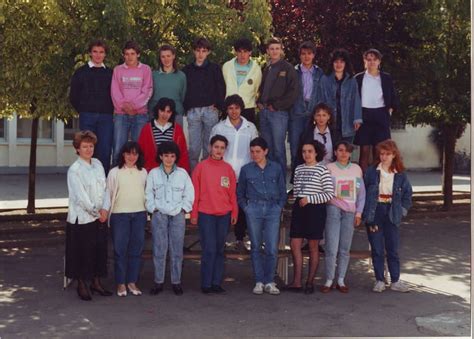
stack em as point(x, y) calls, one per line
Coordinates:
point(83, 136)
point(173, 51)
point(307, 45)
point(131, 45)
point(98, 43)
point(201, 42)
point(373, 51)
point(274, 40)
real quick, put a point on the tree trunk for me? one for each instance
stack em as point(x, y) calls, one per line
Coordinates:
point(450, 133)
point(32, 167)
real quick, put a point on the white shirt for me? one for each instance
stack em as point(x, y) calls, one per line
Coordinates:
point(86, 187)
point(91, 64)
point(386, 181)
point(326, 140)
point(160, 127)
point(372, 94)
point(237, 153)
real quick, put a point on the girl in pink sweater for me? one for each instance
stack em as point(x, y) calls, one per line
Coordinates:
point(214, 209)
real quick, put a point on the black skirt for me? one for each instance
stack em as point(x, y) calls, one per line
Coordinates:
point(86, 250)
point(308, 222)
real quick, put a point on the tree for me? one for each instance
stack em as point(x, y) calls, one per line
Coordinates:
point(43, 42)
point(441, 95)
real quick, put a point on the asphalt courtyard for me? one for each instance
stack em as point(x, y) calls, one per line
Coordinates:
point(436, 264)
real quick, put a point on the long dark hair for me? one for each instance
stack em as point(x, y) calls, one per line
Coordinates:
point(129, 147)
point(342, 54)
point(161, 105)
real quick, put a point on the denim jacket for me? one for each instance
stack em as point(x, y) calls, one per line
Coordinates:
point(169, 193)
point(257, 184)
point(351, 109)
point(299, 107)
point(401, 196)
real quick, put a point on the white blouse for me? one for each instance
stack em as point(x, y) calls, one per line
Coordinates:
point(86, 187)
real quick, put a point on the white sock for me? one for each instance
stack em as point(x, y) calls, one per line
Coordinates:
point(340, 282)
point(328, 283)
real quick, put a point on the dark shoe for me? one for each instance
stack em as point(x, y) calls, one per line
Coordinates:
point(158, 288)
point(206, 290)
point(343, 288)
point(103, 292)
point(292, 289)
point(217, 289)
point(83, 292)
point(177, 289)
point(309, 289)
point(325, 289)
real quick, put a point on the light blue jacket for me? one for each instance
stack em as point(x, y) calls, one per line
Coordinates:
point(169, 193)
point(351, 109)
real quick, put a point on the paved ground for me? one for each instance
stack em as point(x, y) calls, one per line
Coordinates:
point(51, 189)
point(435, 258)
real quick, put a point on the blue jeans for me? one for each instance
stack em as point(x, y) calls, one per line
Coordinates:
point(125, 124)
point(128, 235)
point(296, 126)
point(385, 240)
point(200, 123)
point(263, 223)
point(338, 234)
point(168, 232)
point(212, 231)
point(273, 126)
point(102, 125)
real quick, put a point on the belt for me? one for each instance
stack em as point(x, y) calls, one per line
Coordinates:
point(385, 198)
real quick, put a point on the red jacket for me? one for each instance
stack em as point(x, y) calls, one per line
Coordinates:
point(214, 188)
point(150, 150)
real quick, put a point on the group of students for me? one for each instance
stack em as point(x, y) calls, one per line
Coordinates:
point(323, 114)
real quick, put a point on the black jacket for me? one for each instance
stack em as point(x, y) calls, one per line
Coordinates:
point(390, 97)
point(90, 90)
point(284, 86)
point(205, 85)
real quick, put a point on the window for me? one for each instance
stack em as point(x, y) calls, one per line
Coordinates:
point(71, 127)
point(3, 122)
point(45, 129)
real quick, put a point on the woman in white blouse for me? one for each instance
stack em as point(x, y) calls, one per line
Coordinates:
point(86, 233)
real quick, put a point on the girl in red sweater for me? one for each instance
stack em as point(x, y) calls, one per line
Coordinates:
point(214, 209)
point(163, 128)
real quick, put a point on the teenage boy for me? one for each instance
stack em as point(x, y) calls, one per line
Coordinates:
point(204, 98)
point(261, 193)
point(239, 132)
point(132, 87)
point(309, 95)
point(243, 76)
point(278, 92)
point(90, 97)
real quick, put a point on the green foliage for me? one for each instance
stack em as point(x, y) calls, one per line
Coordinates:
point(43, 41)
point(441, 66)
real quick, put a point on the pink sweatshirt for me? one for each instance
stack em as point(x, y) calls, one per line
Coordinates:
point(215, 188)
point(133, 85)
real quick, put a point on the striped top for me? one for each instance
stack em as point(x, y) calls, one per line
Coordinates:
point(161, 134)
point(313, 182)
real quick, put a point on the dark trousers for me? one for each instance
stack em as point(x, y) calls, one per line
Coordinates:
point(86, 250)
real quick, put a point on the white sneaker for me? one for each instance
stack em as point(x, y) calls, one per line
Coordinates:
point(258, 289)
point(379, 287)
point(272, 289)
point(399, 287)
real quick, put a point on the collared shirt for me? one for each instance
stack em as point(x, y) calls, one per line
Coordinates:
point(91, 64)
point(386, 183)
point(261, 184)
point(86, 187)
point(169, 193)
point(162, 133)
point(326, 140)
point(372, 94)
point(307, 79)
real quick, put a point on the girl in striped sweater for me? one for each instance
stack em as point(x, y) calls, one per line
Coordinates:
point(313, 187)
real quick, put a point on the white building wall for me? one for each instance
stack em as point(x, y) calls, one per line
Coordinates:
point(417, 150)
